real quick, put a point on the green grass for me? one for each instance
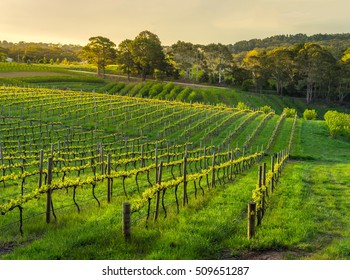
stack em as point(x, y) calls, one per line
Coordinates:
point(22, 67)
point(308, 213)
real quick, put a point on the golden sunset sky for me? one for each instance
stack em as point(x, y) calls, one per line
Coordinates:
point(196, 21)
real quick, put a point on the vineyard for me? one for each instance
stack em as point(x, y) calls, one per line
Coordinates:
point(67, 155)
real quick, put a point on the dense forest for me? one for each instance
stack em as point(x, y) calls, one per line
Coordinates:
point(316, 67)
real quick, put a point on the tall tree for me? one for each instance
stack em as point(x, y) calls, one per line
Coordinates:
point(124, 56)
point(148, 54)
point(186, 56)
point(344, 77)
point(100, 52)
point(315, 65)
point(218, 60)
point(281, 67)
point(255, 63)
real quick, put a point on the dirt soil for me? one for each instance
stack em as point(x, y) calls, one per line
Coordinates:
point(267, 255)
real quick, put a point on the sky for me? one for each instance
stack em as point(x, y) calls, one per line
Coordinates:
point(195, 21)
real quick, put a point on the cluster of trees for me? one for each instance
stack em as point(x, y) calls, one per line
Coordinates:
point(146, 56)
point(289, 64)
point(23, 52)
point(143, 56)
point(336, 43)
point(307, 69)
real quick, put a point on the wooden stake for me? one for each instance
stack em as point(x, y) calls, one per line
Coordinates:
point(251, 219)
point(185, 199)
point(48, 194)
point(273, 171)
point(127, 220)
point(109, 183)
point(41, 168)
point(260, 211)
point(159, 180)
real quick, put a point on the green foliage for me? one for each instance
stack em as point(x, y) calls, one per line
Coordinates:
point(166, 90)
point(242, 106)
point(195, 97)
point(136, 89)
point(145, 89)
point(338, 123)
point(247, 84)
point(182, 96)
point(155, 89)
point(125, 90)
point(174, 92)
point(159, 75)
point(310, 114)
point(266, 109)
point(290, 112)
point(100, 52)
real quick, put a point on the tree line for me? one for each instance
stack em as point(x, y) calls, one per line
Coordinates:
point(305, 69)
point(287, 64)
point(23, 52)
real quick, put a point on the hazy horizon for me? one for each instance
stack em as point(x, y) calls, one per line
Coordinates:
point(197, 21)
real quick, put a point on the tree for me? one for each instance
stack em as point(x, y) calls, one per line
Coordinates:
point(124, 56)
point(100, 52)
point(238, 74)
point(218, 60)
point(254, 62)
point(184, 55)
point(316, 66)
point(344, 77)
point(281, 67)
point(3, 54)
point(147, 54)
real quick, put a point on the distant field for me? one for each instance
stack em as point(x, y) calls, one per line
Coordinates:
point(27, 74)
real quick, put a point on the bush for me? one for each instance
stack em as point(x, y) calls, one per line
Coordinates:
point(290, 112)
point(155, 89)
point(247, 84)
point(182, 96)
point(242, 106)
point(174, 92)
point(266, 109)
point(338, 123)
point(195, 97)
point(309, 114)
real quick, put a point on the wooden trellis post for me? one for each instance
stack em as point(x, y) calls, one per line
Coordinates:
point(185, 199)
point(49, 191)
point(159, 180)
point(126, 220)
point(251, 219)
point(109, 182)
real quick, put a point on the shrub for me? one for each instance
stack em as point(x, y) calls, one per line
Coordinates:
point(309, 114)
point(174, 92)
point(338, 123)
point(290, 112)
point(242, 106)
point(247, 84)
point(182, 96)
point(155, 89)
point(266, 109)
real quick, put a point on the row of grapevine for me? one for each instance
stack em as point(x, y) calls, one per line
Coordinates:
point(127, 142)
